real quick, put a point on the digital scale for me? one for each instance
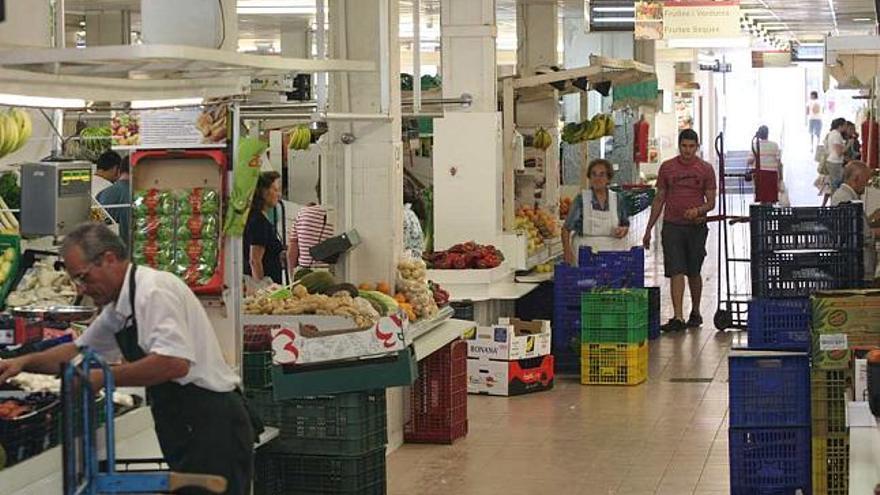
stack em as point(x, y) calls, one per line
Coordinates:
point(55, 197)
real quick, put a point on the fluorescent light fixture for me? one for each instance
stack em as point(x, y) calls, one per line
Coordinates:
point(614, 9)
point(178, 102)
point(609, 20)
point(275, 7)
point(741, 42)
point(862, 19)
point(40, 102)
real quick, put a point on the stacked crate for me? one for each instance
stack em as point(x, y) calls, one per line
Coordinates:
point(326, 444)
point(438, 398)
point(769, 422)
point(614, 337)
point(607, 269)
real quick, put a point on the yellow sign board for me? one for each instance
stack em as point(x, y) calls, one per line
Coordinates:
point(689, 19)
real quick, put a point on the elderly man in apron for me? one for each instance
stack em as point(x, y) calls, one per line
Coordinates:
point(598, 218)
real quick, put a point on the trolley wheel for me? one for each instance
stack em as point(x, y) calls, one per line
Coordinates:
point(723, 319)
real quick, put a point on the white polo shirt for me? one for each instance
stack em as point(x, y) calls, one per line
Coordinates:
point(171, 322)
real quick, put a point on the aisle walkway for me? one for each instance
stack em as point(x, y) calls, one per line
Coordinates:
point(667, 436)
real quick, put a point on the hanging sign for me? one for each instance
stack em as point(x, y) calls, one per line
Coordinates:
point(649, 20)
point(763, 60)
point(187, 127)
point(689, 19)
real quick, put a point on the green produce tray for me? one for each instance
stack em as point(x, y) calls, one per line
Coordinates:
point(257, 370)
point(289, 474)
point(345, 424)
point(14, 242)
point(349, 376)
point(614, 316)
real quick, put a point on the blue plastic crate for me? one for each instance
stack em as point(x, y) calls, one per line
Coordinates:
point(780, 324)
point(566, 363)
point(765, 461)
point(769, 389)
point(628, 267)
point(653, 312)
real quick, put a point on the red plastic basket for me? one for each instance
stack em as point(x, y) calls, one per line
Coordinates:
point(438, 398)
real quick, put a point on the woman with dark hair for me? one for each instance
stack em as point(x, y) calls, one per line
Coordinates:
point(262, 246)
point(598, 216)
point(769, 162)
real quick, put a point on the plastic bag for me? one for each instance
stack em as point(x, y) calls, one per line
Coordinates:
point(153, 202)
point(196, 226)
point(154, 228)
point(198, 201)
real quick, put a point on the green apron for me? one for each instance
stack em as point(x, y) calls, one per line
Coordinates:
point(199, 431)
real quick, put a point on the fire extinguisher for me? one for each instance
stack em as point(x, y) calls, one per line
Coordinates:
point(870, 139)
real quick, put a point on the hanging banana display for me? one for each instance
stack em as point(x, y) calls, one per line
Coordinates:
point(599, 126)
point(542, 139)
point(300, 138)
point(15, 130)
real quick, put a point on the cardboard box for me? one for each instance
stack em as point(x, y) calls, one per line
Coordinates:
point(509, 340)
point(843, 320)
point(508, 378)
point(310, 339)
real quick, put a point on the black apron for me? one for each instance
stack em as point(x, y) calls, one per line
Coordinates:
point(199, 431)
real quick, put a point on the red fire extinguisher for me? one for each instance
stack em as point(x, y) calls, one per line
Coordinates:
point(870, 138)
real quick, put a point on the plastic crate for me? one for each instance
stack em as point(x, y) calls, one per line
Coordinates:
point(769, 391)
point(566, 363)
point(828, 398)
point(654, 308)
point(278, 473)
point(258, 369)
point(799, 274)
point(614, 316)
point(831, 465)
point(614, 364)
point(344, 424)
point(30, 434)
point(438, 398)
point(257, 338)
point(780, 324)
point(769, 460)
point(613, 269)
point(786, 228)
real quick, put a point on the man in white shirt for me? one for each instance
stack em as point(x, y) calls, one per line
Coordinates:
point(856, 175)
point(106, 171)
point(155, 322)
point(835, 146)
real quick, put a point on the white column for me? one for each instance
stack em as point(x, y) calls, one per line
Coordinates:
point(108, 27)
point(295, 41)
point(467, 141)
point(537, 31)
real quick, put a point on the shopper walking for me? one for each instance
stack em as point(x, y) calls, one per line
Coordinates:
point(154, 321)
point(118, 200)
point(413, 236)
point(263, 249)
point(835, 149)
point(769, 160)
point(598, 218)
point(856, 175)
point(686, 191)
point(814, 116)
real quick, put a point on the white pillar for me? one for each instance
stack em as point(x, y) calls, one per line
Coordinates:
point(467, 141)
point(108, 27)
point(295, 41)
point(537, 31)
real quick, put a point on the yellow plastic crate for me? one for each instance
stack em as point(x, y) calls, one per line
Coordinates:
point(831, 464)
point(614, 364)
point(828, 401)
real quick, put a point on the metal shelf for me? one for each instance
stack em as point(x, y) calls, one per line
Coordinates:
point(130, 72)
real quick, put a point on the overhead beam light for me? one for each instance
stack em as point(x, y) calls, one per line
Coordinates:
point(178, 102)
point(609, 20)
point(614, 9)
point(862, 19)
point(274, 10)
point(40, 102)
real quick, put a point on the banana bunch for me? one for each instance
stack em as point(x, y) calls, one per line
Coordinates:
point(15, 130)
point(542, 139)
point(300, 138)
point(588, 130)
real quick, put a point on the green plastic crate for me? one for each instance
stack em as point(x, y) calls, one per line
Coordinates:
point(614, 316)
point(257, 369)
point(289, 474)
point(343, 424)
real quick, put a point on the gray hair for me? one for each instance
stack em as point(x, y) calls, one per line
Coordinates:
point(94, 239)
point(852, 168)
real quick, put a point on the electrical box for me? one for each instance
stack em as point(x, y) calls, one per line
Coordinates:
point(55, 197)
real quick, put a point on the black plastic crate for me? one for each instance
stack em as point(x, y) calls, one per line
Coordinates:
point(30, 434)
point(257, 369)
point(290, 474)
point(799, 274)
point(347, 424)
point(810, 227)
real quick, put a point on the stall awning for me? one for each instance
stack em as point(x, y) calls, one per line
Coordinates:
point(642, 93)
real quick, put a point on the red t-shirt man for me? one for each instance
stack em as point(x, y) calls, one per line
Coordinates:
point(686, 188)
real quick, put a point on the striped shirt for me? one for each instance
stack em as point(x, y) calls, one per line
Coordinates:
point(770, 155)
point(310, 227)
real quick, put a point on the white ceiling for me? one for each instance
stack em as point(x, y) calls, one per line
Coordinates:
point(803, 20)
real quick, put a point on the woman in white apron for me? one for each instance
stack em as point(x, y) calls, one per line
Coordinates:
point(598, 216)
